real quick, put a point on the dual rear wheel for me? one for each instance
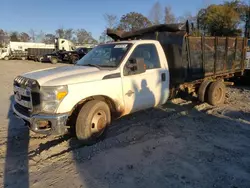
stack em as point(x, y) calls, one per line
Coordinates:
point(214, 93)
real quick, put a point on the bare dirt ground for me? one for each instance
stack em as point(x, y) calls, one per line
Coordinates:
point(181, 144)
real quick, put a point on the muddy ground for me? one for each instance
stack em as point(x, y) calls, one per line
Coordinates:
point(181, 144)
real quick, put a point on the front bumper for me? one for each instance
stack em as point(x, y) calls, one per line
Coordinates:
point(57, 122)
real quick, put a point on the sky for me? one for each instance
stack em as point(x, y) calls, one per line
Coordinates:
point(49, 15)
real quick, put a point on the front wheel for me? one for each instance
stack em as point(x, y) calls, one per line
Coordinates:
point(92, 121)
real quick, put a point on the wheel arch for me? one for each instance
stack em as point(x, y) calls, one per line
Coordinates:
point(114, 106)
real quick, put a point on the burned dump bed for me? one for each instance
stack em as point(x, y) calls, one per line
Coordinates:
point(34, 53)
point(191, 59)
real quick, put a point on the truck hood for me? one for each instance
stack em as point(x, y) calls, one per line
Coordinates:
point(67, 75)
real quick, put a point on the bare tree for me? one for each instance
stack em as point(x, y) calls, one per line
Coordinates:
point(40, 36)
point(60, 32)
point(187, 16)
point(49, 38)
point(32, 33)
point(65, 33)
point(169, 16)
point(111, 20)
point(4, 38)
point(155, 15)
point(24, 37)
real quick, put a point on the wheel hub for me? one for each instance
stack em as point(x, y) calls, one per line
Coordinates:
point(98, 122)
point(218, 94)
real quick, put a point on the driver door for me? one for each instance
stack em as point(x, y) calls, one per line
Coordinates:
point(145, 90)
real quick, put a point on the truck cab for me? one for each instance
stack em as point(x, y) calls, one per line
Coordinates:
point(4, 53)
point(64, 44)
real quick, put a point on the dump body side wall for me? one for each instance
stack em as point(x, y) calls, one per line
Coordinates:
point(211, 56)
point(35, 52)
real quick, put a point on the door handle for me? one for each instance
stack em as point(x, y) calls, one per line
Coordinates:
point(129, 93)
point(163, 77)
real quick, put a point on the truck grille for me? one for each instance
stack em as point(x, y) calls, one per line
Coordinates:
point(27, 95)
point(23, 110)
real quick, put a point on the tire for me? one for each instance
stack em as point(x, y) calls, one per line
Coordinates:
point(23, 58)
point(216, 93)
point(202, 90)
point(74, 59)
point(54, 60)
point(40, 59)
point(6, 58)
point(92, 113)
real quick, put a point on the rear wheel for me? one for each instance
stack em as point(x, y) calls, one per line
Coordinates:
point(74, 59)
point(40, 58)
point(202, 90)
point(54, 60)
point(92, 121)
point(6, 58)
point(216, 93)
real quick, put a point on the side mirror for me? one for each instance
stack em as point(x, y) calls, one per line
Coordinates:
point(137, 65)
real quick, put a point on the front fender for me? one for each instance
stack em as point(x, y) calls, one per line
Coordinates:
point(111, 88)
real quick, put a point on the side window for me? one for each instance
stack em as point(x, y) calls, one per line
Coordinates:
point(149, 53)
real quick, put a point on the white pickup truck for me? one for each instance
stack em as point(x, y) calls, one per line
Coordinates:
point(111, 81)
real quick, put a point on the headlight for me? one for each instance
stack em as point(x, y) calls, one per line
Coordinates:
point(51, 96)
point(48, 56)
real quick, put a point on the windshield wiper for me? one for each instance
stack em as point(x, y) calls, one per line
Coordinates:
point(112, 66)
point(92, 65)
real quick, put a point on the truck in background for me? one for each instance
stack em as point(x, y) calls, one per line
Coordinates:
point(34, 51)
point(60, 44)
point(19, 50)
point(71, 56)
point(141, 70)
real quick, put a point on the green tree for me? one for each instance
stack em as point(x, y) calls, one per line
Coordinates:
point(219, 20)
point(244, 12)
point(84, 37)
point(133, 21)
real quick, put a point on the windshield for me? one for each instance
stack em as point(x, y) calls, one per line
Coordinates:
point(107, 55)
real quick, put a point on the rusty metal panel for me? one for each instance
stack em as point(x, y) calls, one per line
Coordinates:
point(196, 57)
point(220, 54)
point(230, 54)
point(209, 55)
point(238, 55)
